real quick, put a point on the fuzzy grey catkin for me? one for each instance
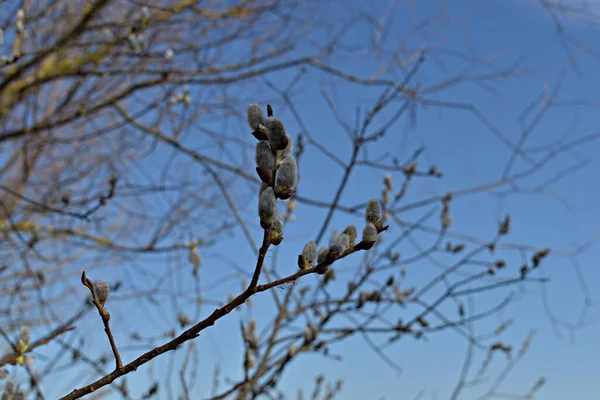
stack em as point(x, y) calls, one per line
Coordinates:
point(277, 136)
point(351, 232)
point(340, 244)
point(264, 156)
point(267, 204)
point(369, 233)
point(287, 174)
point(102, 292)
point(309, 252)
point(256, 116)
point(373, 212)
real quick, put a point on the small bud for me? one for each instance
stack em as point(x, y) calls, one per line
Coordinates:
point(194, 257)
point(292, 350)
point(504, 226)
point(322, 256)
point(351, 287)
point(351, 232)
point(446, 221)
point(24, 338)
point(433, 171)
point(249, 360)
point(287, 175)
point(267, 206)
point(187, 99)
point(102, 292)
point(277, 136)
point(255, 116)
point(506, 349)
point(369, 234)
point(538, 256)
point(523, 271)
point(310, 333)
point(410, 170)
point(308, 256)
point(169, 54)
point(373, 212)
point(388, 182)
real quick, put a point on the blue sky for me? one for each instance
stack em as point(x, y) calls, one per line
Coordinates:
point(506, 33)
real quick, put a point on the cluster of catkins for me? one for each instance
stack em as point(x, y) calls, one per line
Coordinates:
point(275, 166)
point(345, 241)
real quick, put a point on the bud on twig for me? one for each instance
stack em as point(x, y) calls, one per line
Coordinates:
point(373, 213)
point(351, 232)
point(102, 292)
point(523, 271)
point(256, 117)
point(504, 226)
point(308, 256)
point(388, 182)
point(369, 235)
point(339, 245)
point(538, 256)
point(277, 135)
point(265, 161)
point(267, 207)
point(287, 176)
